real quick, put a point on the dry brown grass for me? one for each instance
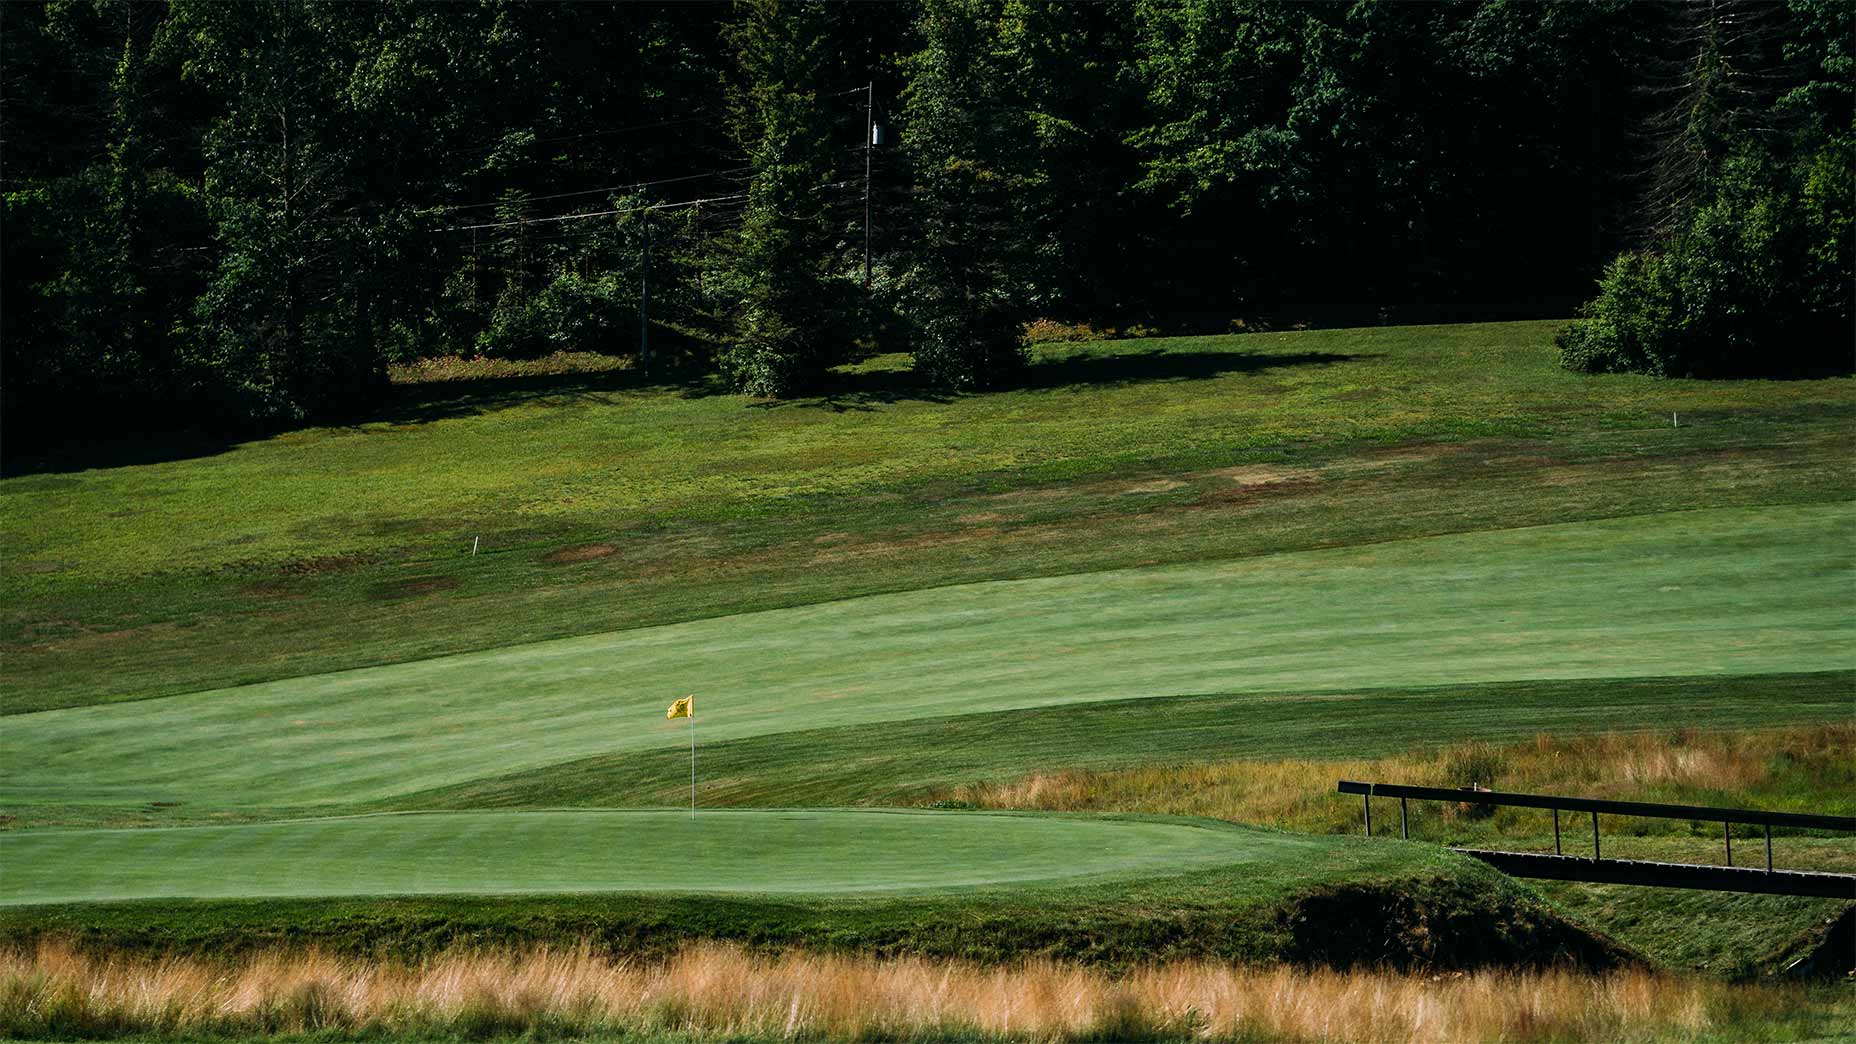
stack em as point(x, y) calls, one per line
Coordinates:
point(1777, 769)
point(471, 368)
point(718, 991)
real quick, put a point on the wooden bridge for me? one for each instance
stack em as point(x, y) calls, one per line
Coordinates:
point(1559, 866)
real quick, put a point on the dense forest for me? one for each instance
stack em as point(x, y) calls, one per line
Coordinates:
point(239, 214)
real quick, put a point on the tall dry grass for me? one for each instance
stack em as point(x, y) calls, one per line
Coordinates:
point(721, 991)
point(1799, 767)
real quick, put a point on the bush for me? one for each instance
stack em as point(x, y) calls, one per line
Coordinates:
point(966, 348)
point(1756, 283)
point(573, 313)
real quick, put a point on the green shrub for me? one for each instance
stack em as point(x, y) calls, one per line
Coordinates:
point(1755, 283)
point(573, 313)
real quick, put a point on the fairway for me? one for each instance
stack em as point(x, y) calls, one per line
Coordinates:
point(761, 851)
point(1628, 597)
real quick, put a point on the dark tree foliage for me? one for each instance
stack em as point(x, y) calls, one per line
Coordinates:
point(784, 268)
point(1747, 264)
point(235, 215)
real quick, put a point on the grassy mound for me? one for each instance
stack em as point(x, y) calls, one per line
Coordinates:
point(1406, 906)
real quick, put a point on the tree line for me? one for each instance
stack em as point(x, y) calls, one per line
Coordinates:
point(238, 214)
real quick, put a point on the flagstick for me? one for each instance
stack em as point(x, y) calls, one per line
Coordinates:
point(692, 717)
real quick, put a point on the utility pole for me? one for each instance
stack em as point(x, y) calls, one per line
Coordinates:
point(644, 301)
point(869, 147)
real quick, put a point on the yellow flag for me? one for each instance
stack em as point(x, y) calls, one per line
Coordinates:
point(683, 708)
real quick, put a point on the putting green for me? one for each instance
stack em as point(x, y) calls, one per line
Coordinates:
point(770, 851)
point(1727, 591)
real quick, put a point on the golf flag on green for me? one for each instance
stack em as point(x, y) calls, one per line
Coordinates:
point(686, 708)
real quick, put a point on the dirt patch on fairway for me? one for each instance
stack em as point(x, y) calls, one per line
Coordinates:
point(1396, 457)
point(1154, 486)
point(1266, 475)
point(412, 587)
point(883, 548)
point(979, 519)
point(583, 553)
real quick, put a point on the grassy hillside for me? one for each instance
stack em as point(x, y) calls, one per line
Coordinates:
point(1151, 556)
point(605, 506)
point(1627, 597)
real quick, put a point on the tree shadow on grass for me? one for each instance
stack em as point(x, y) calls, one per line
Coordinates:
point(1082, 371)
point(846, 391)
point(865, 391)
point(397, 405)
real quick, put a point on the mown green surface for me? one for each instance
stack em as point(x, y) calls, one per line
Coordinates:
point(1387, 894)
point(746, 851)
point(1637, 596)
point(896, 762)
point(604, 506)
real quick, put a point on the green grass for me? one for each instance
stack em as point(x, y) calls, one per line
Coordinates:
point(1729, 934)
point(898, 762)
point(1255, 906)
point(1334, 543)
point(243, 566)
point(741, 851)
point(1628, 597)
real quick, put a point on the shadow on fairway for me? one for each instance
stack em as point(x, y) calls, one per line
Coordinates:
point(866, 390)
point(441, 400)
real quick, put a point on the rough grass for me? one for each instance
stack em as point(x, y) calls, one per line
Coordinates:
point(719, 992)
point(1801, 769)
point(1807, 769)
point(132, 582)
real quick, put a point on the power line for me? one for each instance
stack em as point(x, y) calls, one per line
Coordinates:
point(597, 191)
point(589, 134)
point(591, 214)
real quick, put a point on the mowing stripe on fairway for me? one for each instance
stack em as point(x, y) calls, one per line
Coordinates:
point(760, 851)
point(1726, 591)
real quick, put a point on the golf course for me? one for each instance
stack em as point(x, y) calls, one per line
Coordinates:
point(433, 708)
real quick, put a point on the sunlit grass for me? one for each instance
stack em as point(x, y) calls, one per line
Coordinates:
point(712, 992)
point(1804, 769)
point(603, 503)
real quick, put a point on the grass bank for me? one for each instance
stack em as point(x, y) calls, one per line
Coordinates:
point(1343, 902)
point(607, 505)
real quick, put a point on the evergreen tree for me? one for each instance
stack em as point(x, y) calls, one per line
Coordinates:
point(972, 148)
point(784, 268)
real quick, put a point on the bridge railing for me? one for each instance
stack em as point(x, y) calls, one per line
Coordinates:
point(1727, 817)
